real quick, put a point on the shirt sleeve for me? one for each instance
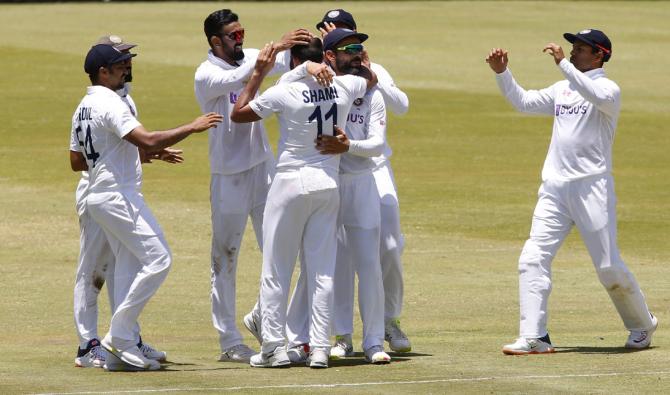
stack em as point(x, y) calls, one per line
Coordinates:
point(74, 139)
point(212, 81)
point(373, 145)
point(357, 85)
point(603, 93)
point(296, 74)
point(533, 101)
point(119, 119)
point(395, 98)
point(269, 102)
point(282, 63)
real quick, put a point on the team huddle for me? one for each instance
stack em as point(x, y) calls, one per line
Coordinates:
point(327, 200)
point(328, 197)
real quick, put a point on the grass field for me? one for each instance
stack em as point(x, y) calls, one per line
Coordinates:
point(467, 168)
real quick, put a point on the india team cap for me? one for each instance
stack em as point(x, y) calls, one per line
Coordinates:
point(340, 16)
point(595, 38)
point(116, 42)
point(337, 35)
point(102, 55)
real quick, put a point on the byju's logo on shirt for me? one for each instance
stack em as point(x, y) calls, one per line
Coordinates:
point(562, 109)
point(233, 98)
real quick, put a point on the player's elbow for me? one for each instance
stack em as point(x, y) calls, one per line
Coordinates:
point(235, 116)
point(243, 115)
point(77, 162)
point(401, 109)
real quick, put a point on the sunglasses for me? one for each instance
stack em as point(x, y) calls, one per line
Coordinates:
point(237, 35)
point(351, 49)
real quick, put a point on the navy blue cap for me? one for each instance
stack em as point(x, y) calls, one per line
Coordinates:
point(339, 15)
point(337, 35)
point(103, 55)
point(595, 38)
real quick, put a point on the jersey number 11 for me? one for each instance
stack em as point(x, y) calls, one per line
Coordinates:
point(316, 115)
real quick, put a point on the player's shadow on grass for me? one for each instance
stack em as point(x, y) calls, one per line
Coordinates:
point(597, 350)
point(359, 359)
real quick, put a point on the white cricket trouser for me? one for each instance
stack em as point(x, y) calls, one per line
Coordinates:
point(234, 198)
point(94, 268)
point(392, 241)
point(590, 204)
point(358, 251)
point(295, 220)
point(143, 257)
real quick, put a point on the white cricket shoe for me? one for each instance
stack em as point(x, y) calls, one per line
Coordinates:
point(376, 355)
point(343, 347)
point(398, 341)
point(276, 359)
point(523, 346)
point(642, 339)
point(128, 352)
point(299, 353)
point(239, 353)
point(152, 353)
point(318, 358)
point(93, 356)
point(253, 324)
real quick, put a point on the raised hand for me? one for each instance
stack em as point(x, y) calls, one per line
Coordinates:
point(294, 37)
point(497, 60)
point(320, 71)
point(266, 59)
point(554, 50)
point(328, 27)
point(365, 59)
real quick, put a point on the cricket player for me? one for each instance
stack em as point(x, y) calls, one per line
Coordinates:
point(241, 163)
point(303, 201)
point(109, 136)
point(577, 187)
point(96, 260)
point(358, 223)
point(392, 240)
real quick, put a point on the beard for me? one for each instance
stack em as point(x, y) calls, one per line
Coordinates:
point(238, 53)
point(129, 76)
point(348, 66)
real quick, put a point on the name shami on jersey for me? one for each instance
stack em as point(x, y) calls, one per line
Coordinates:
point(317, 95)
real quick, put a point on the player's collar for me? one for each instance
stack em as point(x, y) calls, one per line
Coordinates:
point(221, 63)
point(599, 72)
point(99, 89)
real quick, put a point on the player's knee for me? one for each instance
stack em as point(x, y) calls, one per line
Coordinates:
point(392, 243)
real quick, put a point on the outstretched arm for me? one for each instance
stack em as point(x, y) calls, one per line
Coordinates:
point(156, 141)
point(533, 101)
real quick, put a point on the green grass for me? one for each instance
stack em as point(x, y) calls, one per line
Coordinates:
point(467, 168)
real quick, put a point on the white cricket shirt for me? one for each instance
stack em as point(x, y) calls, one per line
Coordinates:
point(585, 108)
point(99, 124)
point(233, 147)
point(305, 110)
point(82, 187)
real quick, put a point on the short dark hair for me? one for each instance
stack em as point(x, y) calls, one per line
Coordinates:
point(595, 50)
point(312, 51)
point(217, 20)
